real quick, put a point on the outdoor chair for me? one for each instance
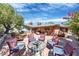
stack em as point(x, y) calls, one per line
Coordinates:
point(56, 49)
point(12, 51)
point(69, 49)
point(31, 38)
point(42, 37)
point(51, 43)
point(16, 52)
point(20, 37)
point(49, 46)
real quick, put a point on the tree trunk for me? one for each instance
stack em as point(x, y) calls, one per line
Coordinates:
point(7, 27)
point(7, 31)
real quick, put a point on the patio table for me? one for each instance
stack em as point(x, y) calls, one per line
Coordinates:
point(37, 46)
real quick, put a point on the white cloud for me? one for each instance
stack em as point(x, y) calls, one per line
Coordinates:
point(62, 4)
point(44, 9)
point(17, 5)
point(43, 21)
point(70, 4)
point(53, 20)
point(51, 6)
point(34, 9)
point(55, 7)
point(23, 10)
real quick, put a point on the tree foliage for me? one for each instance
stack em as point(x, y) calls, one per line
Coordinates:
point(74, 23)
point(9, 17)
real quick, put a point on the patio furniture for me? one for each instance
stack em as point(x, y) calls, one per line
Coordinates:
point(42, 37)
point(20, 37)
point(69, 49)
point(58, 51)
point(22, 47)
point(17, 51)
point(12, 51)
point(4, 51)
point(50, 44)
point(37, 47)
point(31, 37)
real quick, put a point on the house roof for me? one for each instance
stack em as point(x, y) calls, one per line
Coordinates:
point(32, 26)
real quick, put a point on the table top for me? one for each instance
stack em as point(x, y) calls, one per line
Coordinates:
point(41, 45)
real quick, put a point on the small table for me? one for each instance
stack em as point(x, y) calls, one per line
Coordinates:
point(37, 46)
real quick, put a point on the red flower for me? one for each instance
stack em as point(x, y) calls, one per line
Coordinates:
point(71, 14)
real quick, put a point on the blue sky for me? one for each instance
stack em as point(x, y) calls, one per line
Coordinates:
point(45, 12)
